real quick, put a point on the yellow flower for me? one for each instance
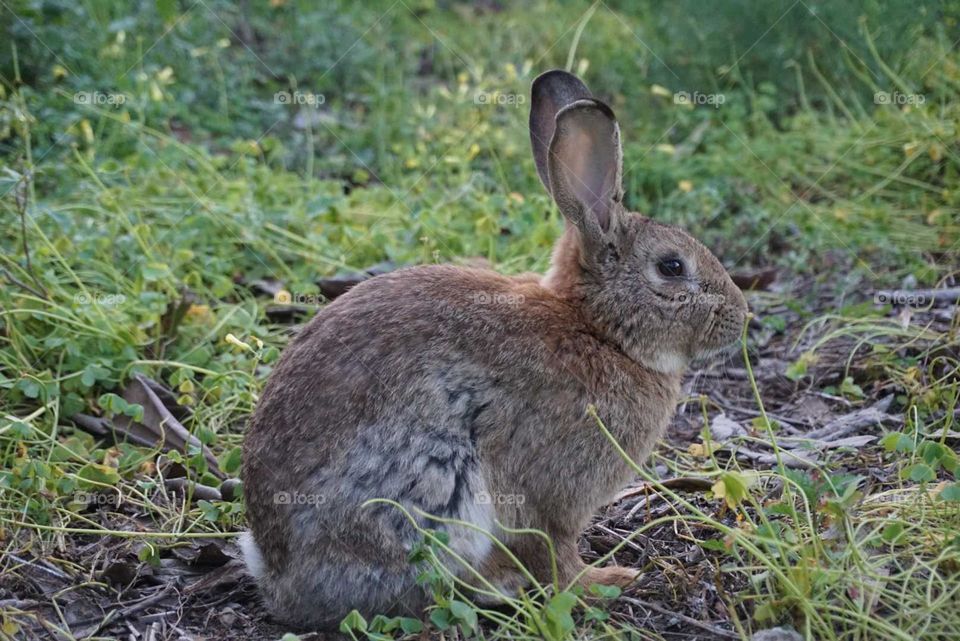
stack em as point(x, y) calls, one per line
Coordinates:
point(701, 450)
point(659, 90)
point(685, 186)
point(198, 312)
point(155, 93)
point(236, 342)
point(87, 131)
point(666, 148)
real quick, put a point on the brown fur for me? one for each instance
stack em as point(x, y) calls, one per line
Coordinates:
point(440, 387)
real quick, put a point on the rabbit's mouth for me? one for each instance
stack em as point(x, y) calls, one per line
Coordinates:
point(706, 356)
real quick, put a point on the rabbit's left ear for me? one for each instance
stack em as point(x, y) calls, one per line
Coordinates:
point(551, 92)
point(584, 164)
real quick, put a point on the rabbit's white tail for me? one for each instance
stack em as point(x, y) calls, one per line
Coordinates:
point(251, 555)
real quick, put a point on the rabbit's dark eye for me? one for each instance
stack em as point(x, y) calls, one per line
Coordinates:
point(670, 267)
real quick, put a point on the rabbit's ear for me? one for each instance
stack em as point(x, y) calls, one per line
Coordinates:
point(551, 92)
point(585, 164)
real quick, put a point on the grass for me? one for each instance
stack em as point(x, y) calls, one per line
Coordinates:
point(134, 235)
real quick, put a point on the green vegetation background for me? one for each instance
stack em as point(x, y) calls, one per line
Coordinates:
point(146, 160)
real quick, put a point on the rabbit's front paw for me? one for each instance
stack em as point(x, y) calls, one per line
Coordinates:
point(613, 575)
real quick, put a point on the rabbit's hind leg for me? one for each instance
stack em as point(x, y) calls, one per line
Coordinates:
point(318, 592)
point(501, 573)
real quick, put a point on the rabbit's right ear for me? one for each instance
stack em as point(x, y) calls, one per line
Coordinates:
point(576, 145)
point(551, 92)
point(585, 163)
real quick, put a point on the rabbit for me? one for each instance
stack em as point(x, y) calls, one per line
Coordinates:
point(463, 394)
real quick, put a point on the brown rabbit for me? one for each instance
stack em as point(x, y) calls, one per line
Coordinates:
point(463, 393)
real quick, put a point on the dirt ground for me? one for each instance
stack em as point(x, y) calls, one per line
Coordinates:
point(100, 588)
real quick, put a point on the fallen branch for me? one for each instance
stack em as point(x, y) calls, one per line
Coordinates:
point(844, 425)
point(157, 428)
point(122, 614)
point(818, 445)
point(684, 484)
point(718, 632)
point(22, 285)
point(18, 604)
point(790, 459)
point(195, 490)
point(651, 491)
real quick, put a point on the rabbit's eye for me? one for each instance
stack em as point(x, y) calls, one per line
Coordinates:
point(670, 267)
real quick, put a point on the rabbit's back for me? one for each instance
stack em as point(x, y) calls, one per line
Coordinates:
point(440, 347)
point(419, 387)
